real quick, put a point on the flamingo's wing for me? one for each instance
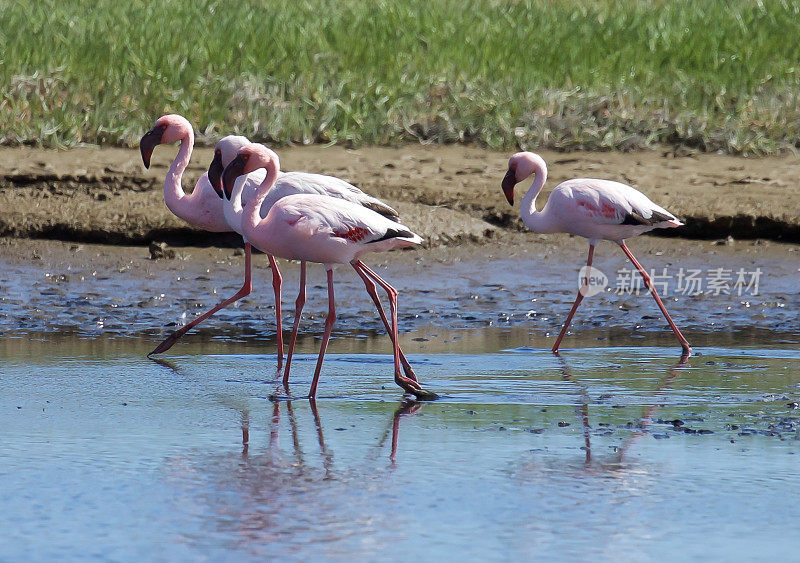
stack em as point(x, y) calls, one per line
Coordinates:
point(307, 183)
point(607, 203)
point(336, 218)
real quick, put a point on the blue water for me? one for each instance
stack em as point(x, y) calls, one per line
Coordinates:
point(607, 453)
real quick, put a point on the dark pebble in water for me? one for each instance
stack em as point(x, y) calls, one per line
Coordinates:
point(660, 436)
point(502, 428)
point(420, 339)
point(536, 430)
point(705, 431)
point(677, 422)
point(340, 429)
point(562, 424)
point(124, 404)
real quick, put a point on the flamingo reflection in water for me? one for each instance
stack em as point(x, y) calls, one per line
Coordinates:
point(641, 427)
point(406, 407)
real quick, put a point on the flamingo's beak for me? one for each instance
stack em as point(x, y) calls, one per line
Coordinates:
point(215, 170)
point(229, 175)
point(509, 181)
point(149, 142)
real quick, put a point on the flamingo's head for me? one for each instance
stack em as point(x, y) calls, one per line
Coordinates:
point(520, 166)
point(249, 158)
point(168, 129)
point(224, 153)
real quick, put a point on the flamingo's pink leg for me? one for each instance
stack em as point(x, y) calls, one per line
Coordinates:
point(370, 285)
point(408, 385)
point(276, 286)
point(329, 320)
point(247, 287)
point(578, 300)
point(298, 309)
point(648, 283)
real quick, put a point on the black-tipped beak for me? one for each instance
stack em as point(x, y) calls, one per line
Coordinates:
point(229, 175)
point(149, 142)
point(509, 181)
point(215, 170)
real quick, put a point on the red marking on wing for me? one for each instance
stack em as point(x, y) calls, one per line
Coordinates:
point(606, 210)
point(609, 211)
point(353, 234)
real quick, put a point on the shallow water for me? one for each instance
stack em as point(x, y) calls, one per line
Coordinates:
point(611, 453)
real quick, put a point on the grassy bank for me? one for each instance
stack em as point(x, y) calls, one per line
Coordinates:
point(716, 75)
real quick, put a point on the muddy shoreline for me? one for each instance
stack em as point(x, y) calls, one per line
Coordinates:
point(520, 283)
point(449, 194)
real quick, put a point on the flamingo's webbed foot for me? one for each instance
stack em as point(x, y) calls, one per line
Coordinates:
point(423, 394)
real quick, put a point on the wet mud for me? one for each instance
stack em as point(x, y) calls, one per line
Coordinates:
point(521, 284)
point(448, 194)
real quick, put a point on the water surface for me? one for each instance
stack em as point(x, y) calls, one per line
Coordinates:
point(611, 453)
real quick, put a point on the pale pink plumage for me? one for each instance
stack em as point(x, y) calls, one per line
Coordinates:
point(202, 208)
point(594, 209)
point(327, 230)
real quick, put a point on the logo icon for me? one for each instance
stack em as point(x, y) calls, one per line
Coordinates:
point(591, 281)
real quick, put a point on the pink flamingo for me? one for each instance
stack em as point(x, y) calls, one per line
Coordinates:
point(326, 230)
point(293, 183)
point(203, 207)
point(594, 209)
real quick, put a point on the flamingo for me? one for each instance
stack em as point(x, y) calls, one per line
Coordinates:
point(593, 209)
point(292, 183)
point(203, 207)
point(325, 230)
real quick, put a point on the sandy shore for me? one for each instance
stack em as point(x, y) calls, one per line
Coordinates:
point(448, 194)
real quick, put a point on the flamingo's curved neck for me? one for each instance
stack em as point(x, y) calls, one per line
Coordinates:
point(236, 195)
point(537, 221)
point(174, 196)
point(252, 213)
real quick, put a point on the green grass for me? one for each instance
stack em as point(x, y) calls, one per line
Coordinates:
point(716, 75)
